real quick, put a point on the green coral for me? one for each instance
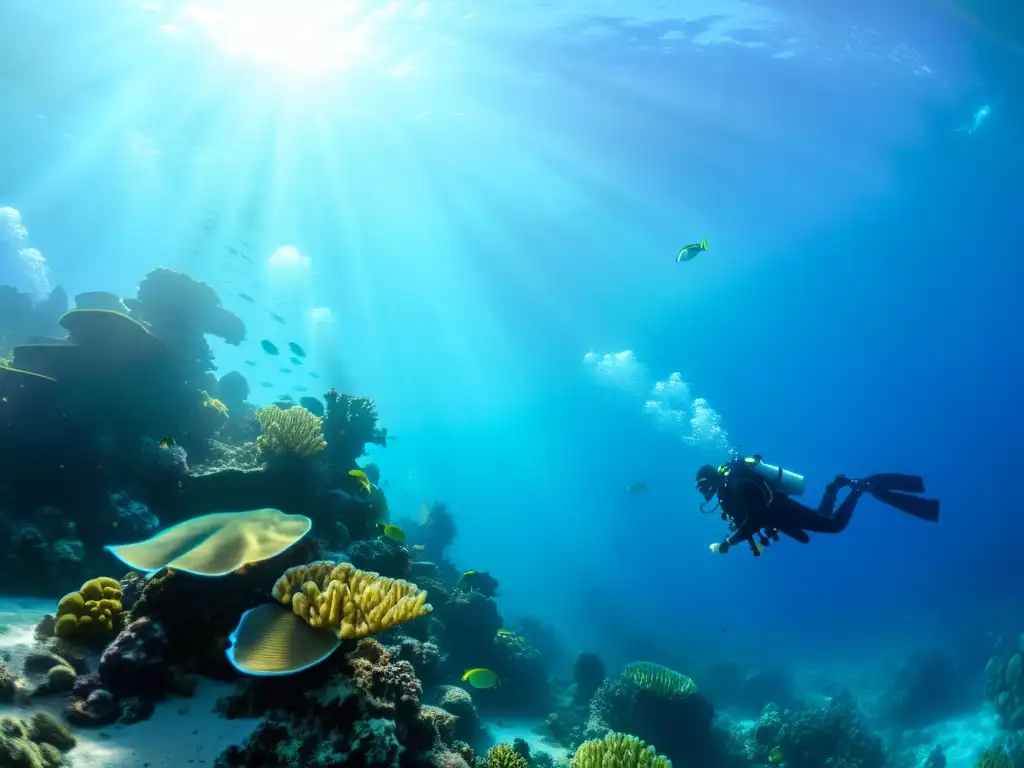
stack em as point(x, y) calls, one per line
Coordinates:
point(289, 432)
point(618, 750)
point(36, 745)
point(504, 756)
point(92, 614)
point(658, 680)
point(994, 758)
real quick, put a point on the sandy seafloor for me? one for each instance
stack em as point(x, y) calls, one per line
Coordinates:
point(186, 732)
point(183, 732)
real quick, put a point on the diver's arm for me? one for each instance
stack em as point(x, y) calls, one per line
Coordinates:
point(743, 532)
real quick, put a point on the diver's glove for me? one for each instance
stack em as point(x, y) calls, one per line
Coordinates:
point(719, 548)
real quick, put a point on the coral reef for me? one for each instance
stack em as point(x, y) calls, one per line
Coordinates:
point(813, 737)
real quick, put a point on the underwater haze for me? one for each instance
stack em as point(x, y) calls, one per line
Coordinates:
point(476, 214)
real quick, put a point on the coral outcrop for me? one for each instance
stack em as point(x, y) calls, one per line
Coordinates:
point(350, 602)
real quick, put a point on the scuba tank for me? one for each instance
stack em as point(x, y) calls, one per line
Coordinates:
point(779, 480)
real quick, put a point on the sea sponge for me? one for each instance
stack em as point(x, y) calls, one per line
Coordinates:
point(658, 680)
point(618, 750)
point(289, 433)
point(90, 614)
point(350, 602)
point(504, 756)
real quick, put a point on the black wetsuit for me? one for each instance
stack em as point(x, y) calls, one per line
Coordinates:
point(752, 507)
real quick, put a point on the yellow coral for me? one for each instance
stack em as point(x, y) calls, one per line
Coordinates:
point(350, 602)
point(658, 680)
point(618, 750)
point(289, 432)
point(91, 613)
point(504, 756)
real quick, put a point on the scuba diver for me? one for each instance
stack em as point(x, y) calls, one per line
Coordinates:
point(755, 498)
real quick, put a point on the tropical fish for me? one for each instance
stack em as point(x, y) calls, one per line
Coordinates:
point(634, 488)
point(415, 547)
point(295, 361)
point(506, 633)
point(480, 678)
point(167, 442)
point(314, 375)
point(266, 384)
point(688, 252)
point(276, 317)
point(285, 370)
point(393, 532)
point(300, 388)
point(299, 351)
point(246, 297)
point(775, 756)
point(361, 477)
point(269, 348)
point(250, 362)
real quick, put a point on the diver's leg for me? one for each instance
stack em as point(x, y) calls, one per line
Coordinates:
point(824, 520)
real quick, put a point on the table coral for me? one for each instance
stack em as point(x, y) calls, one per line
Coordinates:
point(350, 602)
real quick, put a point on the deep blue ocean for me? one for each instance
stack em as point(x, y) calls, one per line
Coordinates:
point(470, 212)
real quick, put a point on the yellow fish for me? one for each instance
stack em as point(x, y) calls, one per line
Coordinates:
point(480, 678)
point(359, 475)
point(394, 533)
point(506, 633)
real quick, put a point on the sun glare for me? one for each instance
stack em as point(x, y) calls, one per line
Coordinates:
point(297, 36)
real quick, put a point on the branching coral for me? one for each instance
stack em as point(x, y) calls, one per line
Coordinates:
point(658, 680)
point(618, 750)
point(994, 758)
point(351, 423)
point(289, 433)
point(504, 756)
point(90, 614)
point(350, 602)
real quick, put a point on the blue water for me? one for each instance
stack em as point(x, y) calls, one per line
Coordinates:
point(483, 194)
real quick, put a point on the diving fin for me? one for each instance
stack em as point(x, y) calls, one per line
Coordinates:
point(893, 481)
point(924, 509)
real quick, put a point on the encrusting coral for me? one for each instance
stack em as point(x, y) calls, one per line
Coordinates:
point(35, 745)
point(658, 680)
point(90, 614)
point(350, 602)
point(289, 433)
point(618, 750)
